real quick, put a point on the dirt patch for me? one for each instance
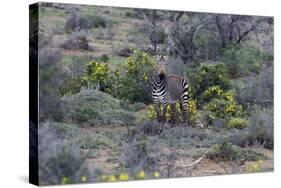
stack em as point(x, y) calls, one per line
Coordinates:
point(208, 167)
point(101, 161)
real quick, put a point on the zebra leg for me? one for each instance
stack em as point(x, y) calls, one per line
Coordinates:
point(185, 112)
point(165, 105)
point(158, 110)
point(173, 113)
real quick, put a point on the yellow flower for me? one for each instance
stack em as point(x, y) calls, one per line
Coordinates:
point(117, 72)
point(84, 178)
point(230, 108)
point(141, 174)
point(150, 112)
point(124, 176)
point(103, 177)
point(64, 180)
point(254, 166)
point(156, 175)
point(111, 178)
point(145, 77)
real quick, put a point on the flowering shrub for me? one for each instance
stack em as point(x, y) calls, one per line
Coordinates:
point(100, 76)
point(221, 104)
point(208, 75)
point(140, 174)
point(125, 176)
point(131, 83)
point(191, 110)
point(135, 84)
point(150, 113)
point(72, 86)
point(212, 92)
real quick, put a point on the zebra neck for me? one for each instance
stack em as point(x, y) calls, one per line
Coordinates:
point(159, 81)
point(159, 78)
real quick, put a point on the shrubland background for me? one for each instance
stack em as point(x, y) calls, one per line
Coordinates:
point(96, 118)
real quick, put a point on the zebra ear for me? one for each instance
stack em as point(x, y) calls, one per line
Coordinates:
point(168, 50)
point(166, 58)
point(158, 57)
point(157, 52)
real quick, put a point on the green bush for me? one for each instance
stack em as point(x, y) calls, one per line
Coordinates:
point(141, 154)
point(208, 46)
point(94, 141)
point(96, 21)
point(221, 104)
point(260, 129)
point(72, 86)
point(229, 152)
point(135, 84)
point(237, 123)
point(63, 130)
point(50, 79)
point(255, 89)
point(97, 75)
point(185, 137)
point(85, 113)
point(103, 58)
point(61, 161)
point(243, 61)
point(237, 137)
point(151, 114)
point(207, 75)
point(93, 107)
point(77, 22)
point(100, 76)
point(215, 92)
point(132, 107)
point(77, 41)
point(157, 35)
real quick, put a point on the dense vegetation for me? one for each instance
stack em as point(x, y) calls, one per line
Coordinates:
point(97, 122)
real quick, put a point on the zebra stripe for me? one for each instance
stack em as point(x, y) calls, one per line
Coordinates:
point(161, 95)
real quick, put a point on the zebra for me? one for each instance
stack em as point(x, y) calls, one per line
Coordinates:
point(168, 89)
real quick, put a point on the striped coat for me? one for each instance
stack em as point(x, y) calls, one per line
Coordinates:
point(168, 90)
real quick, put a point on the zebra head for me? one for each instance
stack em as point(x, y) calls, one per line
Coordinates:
point(162, 62)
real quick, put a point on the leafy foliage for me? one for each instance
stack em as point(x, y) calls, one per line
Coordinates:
point(136, 85)
point(238, 123)
point(77, 22)
point(243, 61)
point(226, 151)
point(94, 107)
point(141, 154)
point(51, 107)
point(207, 75)
point(157, 35)
point(101, 77)
point(92, 141)
point(191, 110)
point(255, 90)
point(72, 86)
point(98, 74)
point(261, 126)
point(61, 162)
point(100, 97)
point(221, 104)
